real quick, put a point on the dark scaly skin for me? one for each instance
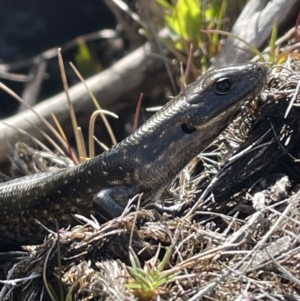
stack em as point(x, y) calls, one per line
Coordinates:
point(146, 161)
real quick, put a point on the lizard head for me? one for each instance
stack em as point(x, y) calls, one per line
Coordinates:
point(220, 92)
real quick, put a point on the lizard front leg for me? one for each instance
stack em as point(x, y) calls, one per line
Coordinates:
point(111, 202)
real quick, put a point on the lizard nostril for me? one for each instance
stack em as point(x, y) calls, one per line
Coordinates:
point(261, 69)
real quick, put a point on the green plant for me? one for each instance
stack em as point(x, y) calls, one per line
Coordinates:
point(147, 282)
point(185, 20)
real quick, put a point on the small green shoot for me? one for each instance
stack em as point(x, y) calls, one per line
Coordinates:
point(85, 60)
point(147, 283)
point(272, 43)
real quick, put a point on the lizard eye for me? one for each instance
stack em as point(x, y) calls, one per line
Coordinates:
point(187, 128)
point(223, 85)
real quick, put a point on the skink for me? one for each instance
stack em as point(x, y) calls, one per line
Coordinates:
point(145, 162)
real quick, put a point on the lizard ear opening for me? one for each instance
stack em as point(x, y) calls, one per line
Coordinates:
point(188, 128)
